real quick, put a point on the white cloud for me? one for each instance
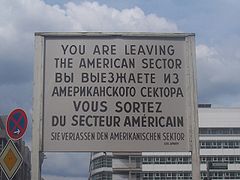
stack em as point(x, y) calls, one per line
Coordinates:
point(218, 76)
point(19, 19)
point(95, 17)
point(219, 67)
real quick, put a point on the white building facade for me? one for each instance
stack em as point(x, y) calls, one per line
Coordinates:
point(219, 140)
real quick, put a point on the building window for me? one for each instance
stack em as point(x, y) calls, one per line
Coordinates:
point(188, 175)
point(102, 176)
point(102, 162)
point(219, 144)
point(219, 131)
point(167, 160)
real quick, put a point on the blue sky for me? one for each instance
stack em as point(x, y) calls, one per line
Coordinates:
point(215, 23)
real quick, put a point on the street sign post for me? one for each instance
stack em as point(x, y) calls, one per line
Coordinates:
point(10, 160)
point(16, 124)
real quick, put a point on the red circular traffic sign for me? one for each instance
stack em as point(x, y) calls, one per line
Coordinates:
point(16, 124)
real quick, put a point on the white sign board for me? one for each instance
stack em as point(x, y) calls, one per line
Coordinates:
point(117, 92)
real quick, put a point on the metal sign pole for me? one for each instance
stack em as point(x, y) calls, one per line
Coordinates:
point(208, 167)
point(194, 126)
point(37, 109)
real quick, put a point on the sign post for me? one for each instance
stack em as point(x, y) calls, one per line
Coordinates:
point(115, 92)
point(193, 115)
point(37, 109)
